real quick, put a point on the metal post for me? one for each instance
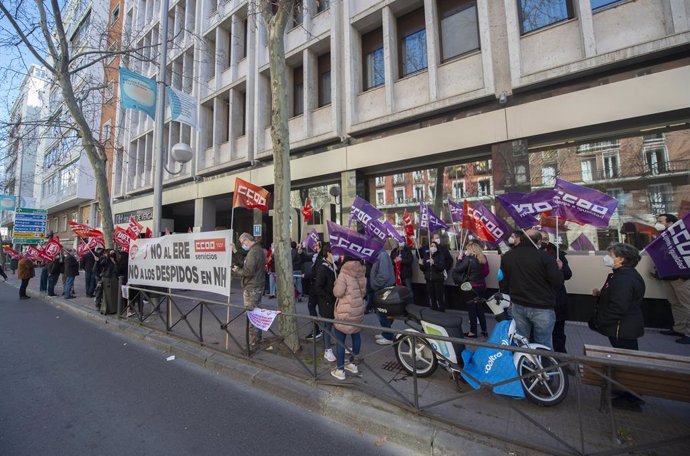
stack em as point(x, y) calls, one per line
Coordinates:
point(414, 371)
point(160, 121)
point(119, 297)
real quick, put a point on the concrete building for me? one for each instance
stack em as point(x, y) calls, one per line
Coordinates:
point(378, 89)
point(21, 164)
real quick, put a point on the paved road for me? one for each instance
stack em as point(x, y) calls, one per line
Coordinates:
point(68, 387)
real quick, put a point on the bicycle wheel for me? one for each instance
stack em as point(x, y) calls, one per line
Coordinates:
point(546, 389)
point(416, 355)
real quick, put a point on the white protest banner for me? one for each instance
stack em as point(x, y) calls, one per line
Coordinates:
point(189, 261)
point(183, 107)
point(262, 318)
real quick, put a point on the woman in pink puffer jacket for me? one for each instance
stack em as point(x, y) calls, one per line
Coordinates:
point(350, 288)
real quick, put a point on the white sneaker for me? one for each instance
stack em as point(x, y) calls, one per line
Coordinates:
point(351, 368)
point(383, 341)
point(328, 354)
point(378, 336)
point(338, 373)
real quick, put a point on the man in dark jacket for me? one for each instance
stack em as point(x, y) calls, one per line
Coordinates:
point(253, 279)
point(55, 268)
point(382, 275)
point(296, 270)
point(561, 308)
point(531, 277)
point(402, 259)
point(88, 262)
point(308, 274)
point(71, 271)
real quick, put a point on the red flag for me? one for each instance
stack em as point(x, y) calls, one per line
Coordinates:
point(134, 228)
point(11, 252)
point(82, 230)
point(149, 233)
point(96, 242)
point(250, 196)
point(408, 228)
point(83, 249)
point(51, 249)
point(121, 238)
point(33, 253)
point(308, 211)
point(474, 224)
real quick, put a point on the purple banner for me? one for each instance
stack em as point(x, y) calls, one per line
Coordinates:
point(583, 205)
point(392, 232)
point(671, 250)
point(455, 210)
point(369, 216)
point(347, 242)
point(582, 244)
point(496, 226)
point(524, 207)
point(428, 220)
point(311, 239)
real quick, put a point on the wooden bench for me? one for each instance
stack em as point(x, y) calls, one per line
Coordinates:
point(644, 373)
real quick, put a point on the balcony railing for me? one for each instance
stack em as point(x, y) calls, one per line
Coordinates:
point(666, 167)
point(57, 198)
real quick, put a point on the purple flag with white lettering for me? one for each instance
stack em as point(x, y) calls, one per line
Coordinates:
point(525, 207)
point(350, 243)
point(392, 232)
point(428, 220)
point(369, 216)
point(671, 250)
point(582, 244)
point(455, 210)
point(312, 239)
point(495, 225)
point(583, 205)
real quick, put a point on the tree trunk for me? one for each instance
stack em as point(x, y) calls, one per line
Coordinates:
point(275, 23)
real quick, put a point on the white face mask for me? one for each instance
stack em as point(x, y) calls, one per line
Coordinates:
point(608, 261)
point(433, 250)
point(659, 226)
point(511, 240)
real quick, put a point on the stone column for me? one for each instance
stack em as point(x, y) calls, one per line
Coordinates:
point(204, 214)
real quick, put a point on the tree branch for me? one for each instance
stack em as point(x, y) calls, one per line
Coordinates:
point(24, 38)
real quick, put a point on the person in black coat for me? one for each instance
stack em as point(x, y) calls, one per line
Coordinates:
point(88, 262)
point(434, 267)
point(402, 258)
point(558, 336)
point(71, 271)
point(325, 273)
point(55, 268)
point(470, 268)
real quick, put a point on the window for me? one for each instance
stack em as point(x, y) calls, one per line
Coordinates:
point(380, 197)
point(115, 15)
point(588, 168)
point(458, 189)
point(245, 29)
point(398, 178)
point(418, 176)
point(611, 165)
point(484, 188)
point(324, 79)
point(380, 180)
point(598, 147)
point(399, 195)
point(372, 50)
point(536, 14)
point(413, 57)
point(618, 194)
point(548, 175)
point(64, 223)
point(297, 13)
point(109, 91)
point(322, 5)
point(419, 193)
point(459, 27)
point(655, 161)
point(520, 174)
point(596, 4)
point(660, 198)
point(243, 99)
point(297, 91)
point(106, 132)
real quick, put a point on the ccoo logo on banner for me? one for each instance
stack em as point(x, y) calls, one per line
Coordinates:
point(190, 261)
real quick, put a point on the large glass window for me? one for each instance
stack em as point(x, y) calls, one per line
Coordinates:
point(297, 91)
point(372, 52)
point(459, 27)
point(596, 4)
point(324, 79)
point(412, 33)
point(536, 14)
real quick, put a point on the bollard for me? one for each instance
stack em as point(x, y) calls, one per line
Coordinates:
point(120, 281)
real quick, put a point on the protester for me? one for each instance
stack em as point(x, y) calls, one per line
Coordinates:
point(678, 292)
point(25, 271)
point(101, 269)
point(308, 277)
point(43, 283)
point(473, 267)
point(14, 264)
point(71, 271)
point(2, 271)
point(109, 283)
point(54, 270)
point(561, 308)
point(322, 287)
point(349, 289)
point(88, 262)
point(296, 270)
point(382, 275)
point(271, 271)
point(619, 307)
point(433, 265)
point(402, 261)
point(253, 280)
point(530, 277)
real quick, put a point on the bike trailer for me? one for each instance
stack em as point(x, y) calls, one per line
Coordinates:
point(391, 301)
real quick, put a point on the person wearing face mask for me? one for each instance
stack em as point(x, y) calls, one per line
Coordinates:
point(253, 280)
point(561, 309)
point(472, 267)
point(531, 277)
point(433, 266)
point(322, 287)
point(382, 275)
point(678, 292)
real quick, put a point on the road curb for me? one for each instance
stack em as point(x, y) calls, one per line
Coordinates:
point(348, 406)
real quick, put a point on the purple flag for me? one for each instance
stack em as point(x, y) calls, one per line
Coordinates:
point(582, 243)
point(393, 232)
point(429, 220)
point(347, 242)
point(455, 210)
point(583, 205)
point(312, 239)
point(497, 227)
point(368, 216)
point(524, 207)
point(671, 250)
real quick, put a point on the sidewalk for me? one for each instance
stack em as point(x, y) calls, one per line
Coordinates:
point(495, 417)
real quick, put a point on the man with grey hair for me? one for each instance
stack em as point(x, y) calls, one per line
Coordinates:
point(253, 277)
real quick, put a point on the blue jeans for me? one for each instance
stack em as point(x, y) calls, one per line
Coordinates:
point(52, 280)
point(43, 284)
point(90, 283)
point(297, 280)
point(539, 322)
point(340, 349)
point(69, 284)
point(385, 323)
point(327, 330)
point(408, 283)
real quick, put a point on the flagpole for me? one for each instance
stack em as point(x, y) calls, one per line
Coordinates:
point(232, 239)
point(557, 243)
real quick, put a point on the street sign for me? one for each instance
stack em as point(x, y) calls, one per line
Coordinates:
point(257, 230)
point(29, 225)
